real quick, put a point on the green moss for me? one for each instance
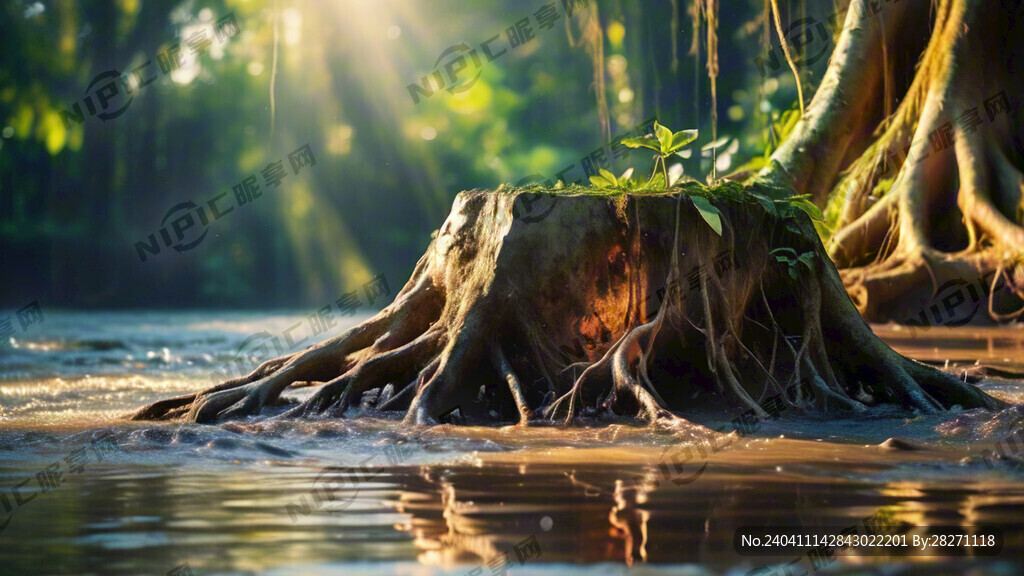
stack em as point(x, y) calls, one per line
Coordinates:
point(883, 187)
point(723, 190)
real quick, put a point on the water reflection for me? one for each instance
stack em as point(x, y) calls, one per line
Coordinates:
point(274, 497)
point(149, 518)
point(470, 515)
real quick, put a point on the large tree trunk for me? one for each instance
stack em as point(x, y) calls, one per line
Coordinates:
point(914, 142)
point(531, 304)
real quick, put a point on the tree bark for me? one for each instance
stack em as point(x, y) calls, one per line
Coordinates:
point(533, 304)
point(930, 194)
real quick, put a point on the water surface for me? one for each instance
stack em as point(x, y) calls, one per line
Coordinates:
point(100, 495)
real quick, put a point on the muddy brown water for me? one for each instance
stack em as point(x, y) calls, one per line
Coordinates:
point(84, 492)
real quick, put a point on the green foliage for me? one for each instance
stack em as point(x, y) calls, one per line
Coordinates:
point(767, 203)
point(708, 212)
point(664, 143)
point(780, 129)
point(792, 260)
point(606, 179)
point(803, 202)
point(800, 202)
point(189, 139)
point(883, 187)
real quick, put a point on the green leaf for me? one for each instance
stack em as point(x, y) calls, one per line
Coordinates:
point(709, 213)
point(784, 250)
point(807, 259)
point(682, 138)
point(657, 182)
point(664, 138)
point(810, 209)
point(767, 204)
point(608, 176)
point(627, 174)
point(792, 273)
point(600, 182)
point(792, 226)
point(644, 142)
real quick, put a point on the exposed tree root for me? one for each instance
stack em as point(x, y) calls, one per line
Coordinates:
point(511, 318)
point(932, 193)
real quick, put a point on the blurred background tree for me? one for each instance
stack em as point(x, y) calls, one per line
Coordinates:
point(76, 197)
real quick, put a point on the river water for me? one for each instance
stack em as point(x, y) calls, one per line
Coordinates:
point(83, 491)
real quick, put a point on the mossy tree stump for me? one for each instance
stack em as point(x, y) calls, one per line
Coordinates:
point(533, 303)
